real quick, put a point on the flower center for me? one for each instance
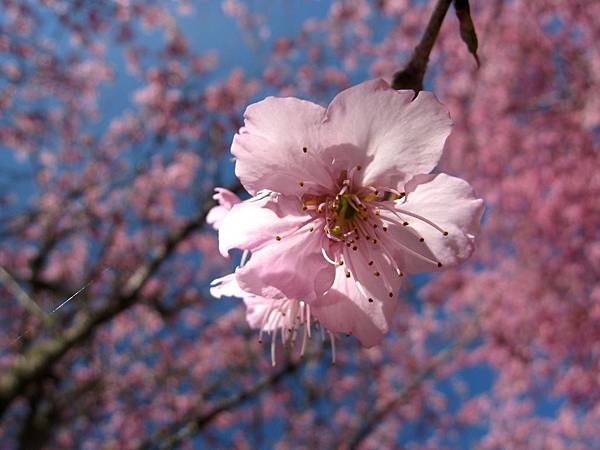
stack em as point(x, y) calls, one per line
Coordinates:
point(358, 217)
point(345, 209)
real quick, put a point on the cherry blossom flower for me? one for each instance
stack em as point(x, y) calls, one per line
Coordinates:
point(344, 205)
point(283, 317)
point(271, 316)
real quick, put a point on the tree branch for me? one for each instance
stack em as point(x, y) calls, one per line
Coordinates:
point(23, 297)
point(179, 432)
point(372, 420)
point(36, 363)
point(411, 77)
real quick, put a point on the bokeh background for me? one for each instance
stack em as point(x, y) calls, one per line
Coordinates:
point(116, 119)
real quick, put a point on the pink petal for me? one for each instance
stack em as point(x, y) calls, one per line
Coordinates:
point(279, 147)
point(226, 286)
point(450, 203)
point(216, 215)
point(254, 222)
point(257, 309)
point(402, 137)
point(403, 243)
point(226, 199)
point(364, 311)
point(261, 313)
point(271, 315)
point(293, 267)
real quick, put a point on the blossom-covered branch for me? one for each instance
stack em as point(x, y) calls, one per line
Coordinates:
point(357, 435)
point(36, 364)
point(181, 432)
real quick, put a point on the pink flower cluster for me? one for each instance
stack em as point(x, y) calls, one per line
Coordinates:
point(343, 206)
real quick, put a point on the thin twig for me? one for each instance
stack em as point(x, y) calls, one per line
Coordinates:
point(366, 427)
point(411, 77)
point(179, 432)
point(23, 297)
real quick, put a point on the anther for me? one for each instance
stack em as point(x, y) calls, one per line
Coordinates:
point(301, 183)
point(277, 237)
point(347, 274)
point(370, 300)
point(370, 263)
point(374, 241)
point(358, 167)
point(439, 264)
point(405, 224)
point(304, 149)
point(391, 294)
point(374, 225)
point(445, 233)
point(384, 228)
point(355, 248)
point(311, 229)
point(376, 274)
point(341, 263)
point(422, 240)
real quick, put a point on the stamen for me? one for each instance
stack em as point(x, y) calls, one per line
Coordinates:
point(327, 258)
point(390, 260)
point(351, 267)
point(304, 336)
point(397, 210)
point(332, 338)
point(352, 172)
point(358, 201)
point(245, 257)
point(418, 255)
point(356, 208)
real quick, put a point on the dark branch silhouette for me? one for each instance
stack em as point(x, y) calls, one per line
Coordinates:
point(412, 75)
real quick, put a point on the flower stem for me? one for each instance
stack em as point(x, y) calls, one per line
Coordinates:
point(411, 77)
